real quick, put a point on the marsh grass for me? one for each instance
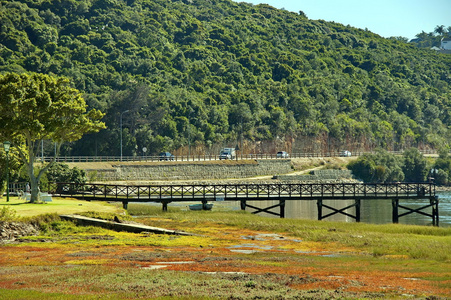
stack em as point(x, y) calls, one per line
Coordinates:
point(418, 242)
point(109, 216)
point(142, 284)
point(36, 295)
point(78, 265)
point(135, 209)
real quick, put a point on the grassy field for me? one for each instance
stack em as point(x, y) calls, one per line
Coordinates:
point(57, 206)
point(232, 255)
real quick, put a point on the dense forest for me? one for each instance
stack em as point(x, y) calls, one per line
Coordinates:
point(212, 73)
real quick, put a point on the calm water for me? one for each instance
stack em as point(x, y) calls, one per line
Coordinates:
point(372, 211)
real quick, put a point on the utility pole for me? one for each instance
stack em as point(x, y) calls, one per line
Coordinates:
point(121, 129)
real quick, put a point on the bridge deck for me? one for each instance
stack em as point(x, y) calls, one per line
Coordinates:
point(244, 191)
point(258, 192)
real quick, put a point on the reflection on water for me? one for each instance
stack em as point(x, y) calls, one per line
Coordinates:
point(444, 208)
point(372, 211)
point(306, 209)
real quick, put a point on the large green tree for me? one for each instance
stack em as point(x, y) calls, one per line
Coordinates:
point(380, 166)
point(36, 107)
point(415, 165)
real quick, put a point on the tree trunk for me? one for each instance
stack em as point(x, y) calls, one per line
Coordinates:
point(34, 184)
point(34, 181)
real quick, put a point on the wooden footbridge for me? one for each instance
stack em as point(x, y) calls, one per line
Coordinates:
point(280, 192)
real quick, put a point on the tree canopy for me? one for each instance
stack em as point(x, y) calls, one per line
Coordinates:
point(383, 166)
point(36, 107)
point(210, 72)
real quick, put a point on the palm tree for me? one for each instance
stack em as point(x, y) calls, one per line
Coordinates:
point(440, 30)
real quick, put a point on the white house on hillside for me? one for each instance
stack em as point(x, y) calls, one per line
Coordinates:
point(446, 43)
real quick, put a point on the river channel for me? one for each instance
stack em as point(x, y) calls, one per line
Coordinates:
point(372, 211)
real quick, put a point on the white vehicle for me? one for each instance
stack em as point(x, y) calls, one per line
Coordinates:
point(282, 154)
point(345, 153)
point(227, 153)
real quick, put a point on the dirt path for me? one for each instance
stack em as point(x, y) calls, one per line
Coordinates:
point(267, 177)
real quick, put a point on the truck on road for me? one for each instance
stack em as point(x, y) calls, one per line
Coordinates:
point(227, 153)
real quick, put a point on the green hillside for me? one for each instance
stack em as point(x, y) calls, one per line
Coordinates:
point(214, 72)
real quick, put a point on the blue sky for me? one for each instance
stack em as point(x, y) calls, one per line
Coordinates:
point(385, 17)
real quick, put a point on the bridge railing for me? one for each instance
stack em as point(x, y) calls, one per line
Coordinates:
point(186, 192)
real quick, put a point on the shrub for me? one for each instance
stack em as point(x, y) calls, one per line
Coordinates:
point(7, 214)
point(60, 172)
point(378, 167)
point(441, 177)
point(414, 166)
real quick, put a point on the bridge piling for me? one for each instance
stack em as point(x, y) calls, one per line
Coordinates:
point(357, 210)
point(165, 205)
point(319, 204)
point(395, 210)
point(204, 204)
point(243, 204)
point(434, 203)
point(282, 208)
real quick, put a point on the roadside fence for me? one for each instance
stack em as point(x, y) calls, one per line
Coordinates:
point(204, 157)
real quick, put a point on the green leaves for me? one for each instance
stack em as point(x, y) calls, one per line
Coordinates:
point(36, 107)
point(39, 107)
point(382, 166)
point(414, 166)
point(288, 72)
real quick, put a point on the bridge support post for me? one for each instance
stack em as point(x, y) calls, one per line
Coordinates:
point(124, 204)
point(434, 204)
point(357, 210)
point(395, 213)
point(282, 208)
point(319, 204)
point(165, 205)
point(243, 204)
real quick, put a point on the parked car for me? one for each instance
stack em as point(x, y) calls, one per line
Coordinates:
point(345, 153)
point(166, 156)
point(282, 154)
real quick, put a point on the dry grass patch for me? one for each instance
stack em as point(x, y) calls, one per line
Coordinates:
point(300, 164)
point(112, 165)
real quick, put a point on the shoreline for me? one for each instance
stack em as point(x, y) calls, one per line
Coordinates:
point(442, 188)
